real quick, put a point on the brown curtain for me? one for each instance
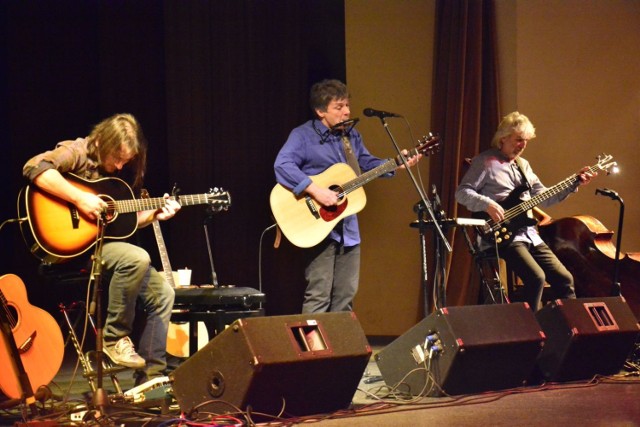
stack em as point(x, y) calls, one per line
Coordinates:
point(465, 110)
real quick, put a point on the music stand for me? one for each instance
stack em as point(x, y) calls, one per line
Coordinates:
point(439, 223)
point(208, 218)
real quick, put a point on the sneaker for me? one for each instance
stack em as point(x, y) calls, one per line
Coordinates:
point(123, 353)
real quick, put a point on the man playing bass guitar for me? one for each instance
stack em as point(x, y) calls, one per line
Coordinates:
point(115, 146)
point(500, 174)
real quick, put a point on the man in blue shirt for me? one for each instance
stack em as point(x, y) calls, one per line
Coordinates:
point(332, 274)
point(491, 178)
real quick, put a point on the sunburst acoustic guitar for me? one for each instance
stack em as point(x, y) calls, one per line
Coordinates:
point(57, 230)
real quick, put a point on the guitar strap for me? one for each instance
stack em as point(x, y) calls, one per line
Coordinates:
point(351, 157)
point(524, 177)
point(526, 181)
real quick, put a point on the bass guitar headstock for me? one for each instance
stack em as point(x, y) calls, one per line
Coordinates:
point(606, 163)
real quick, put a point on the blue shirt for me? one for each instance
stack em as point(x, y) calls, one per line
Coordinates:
point(492, 176)
point(310, 149)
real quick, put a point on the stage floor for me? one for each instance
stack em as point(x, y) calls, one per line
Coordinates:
point(604, 401)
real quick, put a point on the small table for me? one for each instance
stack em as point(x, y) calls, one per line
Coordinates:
point(215, 306)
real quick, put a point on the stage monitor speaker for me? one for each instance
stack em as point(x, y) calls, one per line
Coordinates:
point(585, 337)
point(305, 364)
point(465, 349)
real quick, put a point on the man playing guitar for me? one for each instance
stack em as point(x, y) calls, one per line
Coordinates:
point(116, 146)
point(493, 176)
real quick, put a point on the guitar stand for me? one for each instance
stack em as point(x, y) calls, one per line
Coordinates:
point(86, 358)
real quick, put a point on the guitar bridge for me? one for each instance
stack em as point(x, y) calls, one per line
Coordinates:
point(73, 211)
point(26, 345)
point(312, 207)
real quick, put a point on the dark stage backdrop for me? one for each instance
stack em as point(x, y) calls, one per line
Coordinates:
point(217, 86)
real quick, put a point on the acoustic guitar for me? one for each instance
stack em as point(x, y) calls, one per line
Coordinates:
point(37, 336)
point(306, 223)
point(58, 230)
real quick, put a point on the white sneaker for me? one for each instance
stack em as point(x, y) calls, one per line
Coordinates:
point(123, 353)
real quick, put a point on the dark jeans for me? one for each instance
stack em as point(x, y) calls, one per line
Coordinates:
point(134, 281)
point(536, 265)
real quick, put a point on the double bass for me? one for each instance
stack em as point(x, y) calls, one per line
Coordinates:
point(584, 245)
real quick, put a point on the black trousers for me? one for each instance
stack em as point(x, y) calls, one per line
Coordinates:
point(536, 265)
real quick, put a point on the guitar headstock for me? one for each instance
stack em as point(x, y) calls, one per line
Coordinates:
point(218, 199)
point(606, 163)
point(429, 144)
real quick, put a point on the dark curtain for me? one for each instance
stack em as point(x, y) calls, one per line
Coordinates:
point(238, 75)
point(216, 85)
point(466, 112)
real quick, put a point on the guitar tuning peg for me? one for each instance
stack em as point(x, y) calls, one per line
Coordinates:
point(175, 190)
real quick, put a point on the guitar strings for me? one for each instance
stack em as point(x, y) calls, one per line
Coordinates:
point(517, 210)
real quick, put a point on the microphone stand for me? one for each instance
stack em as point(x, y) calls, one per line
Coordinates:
point(440, 238)
point(439, 278)
point(100, 398)
point(423, 197)
point(617, 289)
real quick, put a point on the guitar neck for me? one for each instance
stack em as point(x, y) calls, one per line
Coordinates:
point(162, 248)
point(153, 203)
point(386, 167)
point(164, 255)
point(536, 200)
point(545, 195)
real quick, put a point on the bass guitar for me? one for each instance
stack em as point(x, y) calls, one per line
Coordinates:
point(37, 337)
point(306, 223)
point(516, 211)
point(58, 230)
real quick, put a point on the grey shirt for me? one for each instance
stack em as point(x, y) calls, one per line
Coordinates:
point(492, 177)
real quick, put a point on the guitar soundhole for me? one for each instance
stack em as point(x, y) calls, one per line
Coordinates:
point(338, 190)
point(111, 207)
point(329, 213)
point(12, 313)
point(110, 215)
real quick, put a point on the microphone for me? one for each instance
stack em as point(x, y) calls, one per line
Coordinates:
point(370, 112)
point(608, 193)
